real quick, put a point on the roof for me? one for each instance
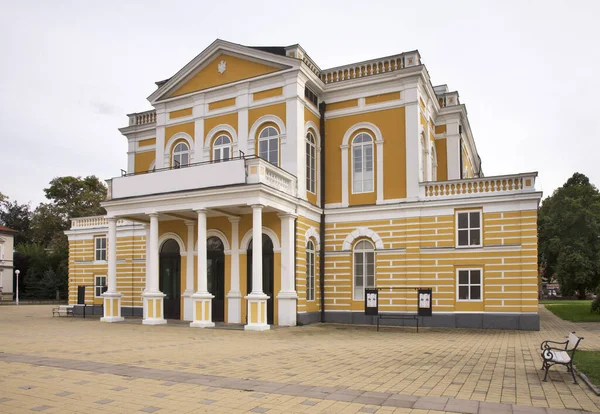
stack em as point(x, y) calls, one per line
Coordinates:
point(4, 229)
point(276, 50)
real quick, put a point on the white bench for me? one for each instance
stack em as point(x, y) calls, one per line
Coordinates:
point(63, 310)
point(561, 353)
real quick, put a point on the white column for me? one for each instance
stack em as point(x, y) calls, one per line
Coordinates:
point(344, 150)
point(153, 297)
point(453, 150)
point(287, 297)
point(147, 287)
point(202, 299)
point(234, 296)
point(380, 174)
point(412, 151)
point(189, 273)
point(161, 120)
point(257, 300)
point(242, 102)
point(112, 298)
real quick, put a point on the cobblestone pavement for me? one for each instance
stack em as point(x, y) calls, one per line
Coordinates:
point(82, 365)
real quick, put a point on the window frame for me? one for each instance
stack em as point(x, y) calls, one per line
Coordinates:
point(469, 229)
point(221, 147)
point(363, 163)
point(364, 252)
point(180, 153)
point(100, 249)
point(269, 139)
point(98, 286)
point(311, 167)
point(310, 271)
point(469, 284)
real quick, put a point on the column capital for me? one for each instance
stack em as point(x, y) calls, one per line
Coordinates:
point(152, 214)
point(234, 219)
point(287, 215)
point(111, 218)
point(200, 210)
point(189, 223)
point(257, 206)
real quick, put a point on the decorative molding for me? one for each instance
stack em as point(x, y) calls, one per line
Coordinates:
point(169, 147)
point(170, 235)
point(220, 235)
point(312, 232)
point(248, 236)
point(258, 123)
point(362, 232)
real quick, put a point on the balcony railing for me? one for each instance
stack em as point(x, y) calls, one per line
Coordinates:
point(370, 67)
point(95, 222)
point(197, 176)
point(142, 118)
point(476, 187)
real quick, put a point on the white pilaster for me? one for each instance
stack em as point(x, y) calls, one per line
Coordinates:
point(453, 151)
point(198, 115)
point(412, 150)
point(153, 297)
point(161, 120)
point(257, 300)
point(345, 189)
point(234, 296)
point(287, 297)
point(242, 102)
point(112, 298)
point(202, 298)
point(147, 277)
point(131, 147)
point(293, 157)
point(380, 174)
point(188, 311)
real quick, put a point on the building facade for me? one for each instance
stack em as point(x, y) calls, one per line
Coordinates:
point(363, 175)
point(6, 263)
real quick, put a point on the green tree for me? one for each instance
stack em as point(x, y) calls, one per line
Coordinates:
point(76, 196)
point(17, 217)
point(569, 231)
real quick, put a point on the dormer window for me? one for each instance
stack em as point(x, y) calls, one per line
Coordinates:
point(181, 155)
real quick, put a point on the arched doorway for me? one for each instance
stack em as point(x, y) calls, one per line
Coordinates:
point(170, 278)
point(268, 265)
point(215, 253)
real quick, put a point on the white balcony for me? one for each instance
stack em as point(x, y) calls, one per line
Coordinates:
point(200, 176)
point(478, 187)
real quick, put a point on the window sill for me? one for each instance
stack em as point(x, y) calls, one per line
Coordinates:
point(479, 246)
point(100, 262)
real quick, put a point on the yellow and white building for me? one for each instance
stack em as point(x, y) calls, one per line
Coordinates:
point(363, 175)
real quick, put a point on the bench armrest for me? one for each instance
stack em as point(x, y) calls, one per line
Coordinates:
point(545, 345)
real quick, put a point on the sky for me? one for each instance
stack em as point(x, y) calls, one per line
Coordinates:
point(70, 71)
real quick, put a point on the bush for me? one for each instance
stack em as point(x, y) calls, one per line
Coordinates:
point(596, 302)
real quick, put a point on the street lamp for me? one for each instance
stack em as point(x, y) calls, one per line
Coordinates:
point(17, 273)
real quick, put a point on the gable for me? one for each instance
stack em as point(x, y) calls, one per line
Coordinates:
point(236, 69)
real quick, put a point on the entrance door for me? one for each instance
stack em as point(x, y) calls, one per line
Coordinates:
point(170, 279)
point(268, 273)
point(216, 276)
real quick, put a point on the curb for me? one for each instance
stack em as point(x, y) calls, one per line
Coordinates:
point(585, 379)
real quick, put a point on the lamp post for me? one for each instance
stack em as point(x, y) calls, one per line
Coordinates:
point(17, 273)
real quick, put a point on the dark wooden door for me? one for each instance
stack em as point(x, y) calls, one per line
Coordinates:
point(268, 273)
point(170, 279)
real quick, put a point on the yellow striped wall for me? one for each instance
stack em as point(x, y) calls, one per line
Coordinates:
point(420, 252)
point(302, 226)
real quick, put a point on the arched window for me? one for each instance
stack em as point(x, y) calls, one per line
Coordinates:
point(222, 148)
point(364, 268)
point(310, 270)
point(362, 163)
point(181, 155)
point(423, 160)
point(311, 161)
point(268, 145)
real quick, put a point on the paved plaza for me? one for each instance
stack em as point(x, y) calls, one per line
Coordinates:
point(82, 365)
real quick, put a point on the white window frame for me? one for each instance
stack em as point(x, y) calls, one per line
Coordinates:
point(220, 147)
point(364, 275)
point(363, 163)
point(310, 271)
point(180, 154)
point(272, 140)
point(311, 165)
point(458, 285)
point(98, 286)
point(434, 163)
point(96, 249)
point(469, 228)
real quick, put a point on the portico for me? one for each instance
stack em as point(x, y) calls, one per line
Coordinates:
point(229, 276)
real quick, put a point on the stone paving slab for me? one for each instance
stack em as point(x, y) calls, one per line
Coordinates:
point(333, 368)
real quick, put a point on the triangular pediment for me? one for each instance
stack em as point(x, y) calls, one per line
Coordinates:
point(220, 64)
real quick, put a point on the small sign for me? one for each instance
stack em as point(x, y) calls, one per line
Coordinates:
point(424, 300)
point(371, 302)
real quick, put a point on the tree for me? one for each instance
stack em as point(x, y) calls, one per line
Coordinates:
point(17, 217)
point(76, 196)
point(569, 231)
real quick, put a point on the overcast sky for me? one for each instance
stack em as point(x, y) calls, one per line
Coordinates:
point(70, 72)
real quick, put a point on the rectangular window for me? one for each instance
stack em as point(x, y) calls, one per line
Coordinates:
point(362, 166)
point(100, 249)
point(364, 273)
point(99, 285)
point(310, 274)
point(468, 229)
point(470, 284)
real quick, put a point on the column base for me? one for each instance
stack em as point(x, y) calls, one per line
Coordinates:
point(257, 312)
point(286, 307)
point(153, 308)
point(112, 307)
point(188, 306)
point(202, 307)
point(234, 307)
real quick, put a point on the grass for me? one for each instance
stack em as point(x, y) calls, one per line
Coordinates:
point(572, 310)
point(588, 362)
